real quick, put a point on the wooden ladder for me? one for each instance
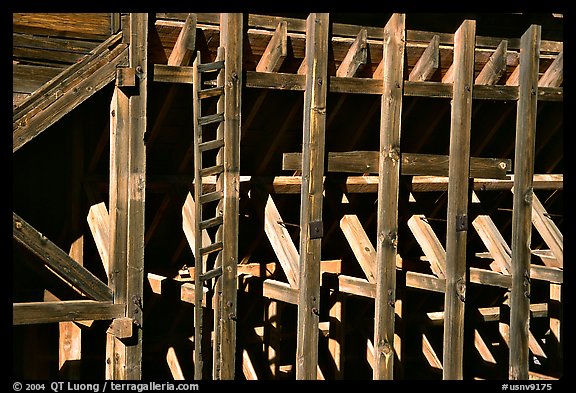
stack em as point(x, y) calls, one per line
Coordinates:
point(208, 82)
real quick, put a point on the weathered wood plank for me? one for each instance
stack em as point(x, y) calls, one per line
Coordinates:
point(414, 164)
point(138, 52)
point(548, 230)
point(30, 125)
point(69, 25)
point(315, 96)
point(356, 56)
point(427, 63)
point(457, 215)
point(59, 261)
point(232, 28)
point(494, 242)
point(440, 183)
point(428, 241)
point(553, 77)
point(360, 244)
point(276, 50)
point(522, 202)
point(70, 334)
point(495, 67)
point(99, 224)
point(279, 290)
point(185, 44)
point(70, 310)
point(388, 189)
point(281, 242)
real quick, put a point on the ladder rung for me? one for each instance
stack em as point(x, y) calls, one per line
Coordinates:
point(209, 119)
point(211, 196)
point(212, 222)
point(211, 274)
point(211, 92)
point(211, 145)
point(211, 248)
point(214, 66)
point(213, 170)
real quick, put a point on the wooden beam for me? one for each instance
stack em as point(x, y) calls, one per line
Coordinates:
point(296, 82)
point(440, 183)
point(427, 63)
point(99, 224)
point(127, 202)
point(356, 56)
point(281, 242)
point(428, 241)
point(174, 365)
point(315, 96)
point(70, 334)
point(276, 50)
point(70, 310)
point(457, 215)
point(121, 327)
point(494, 242)
point(59, 261)
point(360, 244)
point(495, 67)
point(231, 38)
point(522, 202)
point(388, 189)
point(553, 77)
point(247, 367)
point(279, 290)
point(185, 43)
point(67, 94)
point(412, 164)
point(548, 231)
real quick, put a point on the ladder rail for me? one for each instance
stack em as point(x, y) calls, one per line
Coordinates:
point(201, 276)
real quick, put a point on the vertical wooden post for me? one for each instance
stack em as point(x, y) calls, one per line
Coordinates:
point(388, 186)
point(118, 202)
point(458, 173)
point(127, 202)
point(337, 334)
point(231, 36)
point(315, 96)
point(522, 202)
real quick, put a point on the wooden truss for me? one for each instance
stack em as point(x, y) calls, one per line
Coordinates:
point(216, 279)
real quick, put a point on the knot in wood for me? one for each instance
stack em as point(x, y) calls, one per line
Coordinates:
point(385, 348)
point(528, 196)
point(461, 289)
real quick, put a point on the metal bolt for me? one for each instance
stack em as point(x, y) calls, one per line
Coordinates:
point(18, 225)
point(502, 165)
point(139, 69)
point(315, 311)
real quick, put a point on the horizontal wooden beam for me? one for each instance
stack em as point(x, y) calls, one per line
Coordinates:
point(440, 183)
point(71, 310)
point(411, 164)
point(59, 261)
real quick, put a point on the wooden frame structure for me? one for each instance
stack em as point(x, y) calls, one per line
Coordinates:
point(321, 59)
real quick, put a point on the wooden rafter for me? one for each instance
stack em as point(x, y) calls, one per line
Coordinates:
point(356, 56)
point(67, 90)
point(276, 50)
point(495, 67)
point(427, 63)
point(553, 76)
point(99, 224)
point(428, 241)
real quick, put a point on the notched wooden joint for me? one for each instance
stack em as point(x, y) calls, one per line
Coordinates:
point(126, 77)
point(121, 327)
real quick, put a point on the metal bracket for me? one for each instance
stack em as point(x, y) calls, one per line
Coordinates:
point(461, 222)
point(316, 229)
